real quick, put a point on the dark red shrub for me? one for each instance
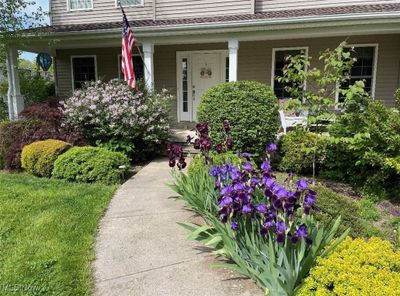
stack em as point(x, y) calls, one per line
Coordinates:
point(38, 122)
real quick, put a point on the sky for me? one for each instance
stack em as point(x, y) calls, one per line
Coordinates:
point(45, 6)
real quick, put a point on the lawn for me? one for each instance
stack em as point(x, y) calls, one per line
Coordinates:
point(47, 232)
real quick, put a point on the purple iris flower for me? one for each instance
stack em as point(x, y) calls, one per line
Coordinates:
point(309, 202)
point(229, 144)
point(238, 187)
point(215, 171)
point(219, 148)
point(266, 166)
point(262, 208)
point(248, 167)
point(254, 182)
point(267, 226)
point(228, 190)
point(234, 225)
point(236, 174)
point(271, 148)
point(225, 202)
point(245, 155)
point(302, 231)
point(280, 232)
point(302, 185)
point(268, 182)
point(246, 209)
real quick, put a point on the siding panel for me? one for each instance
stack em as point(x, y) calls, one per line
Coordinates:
point(269, 5)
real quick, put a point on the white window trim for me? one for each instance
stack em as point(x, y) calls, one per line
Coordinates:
point(375, 66)
point(72, 67)
point(188, 55)
point(132, 5)
point(274, 50)
point(78, 9)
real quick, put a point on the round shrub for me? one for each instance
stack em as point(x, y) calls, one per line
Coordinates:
point(91, 164)
point(38, 158)
point(110, 113)
point(250, 107)
point(297, 151)
point(357, 267)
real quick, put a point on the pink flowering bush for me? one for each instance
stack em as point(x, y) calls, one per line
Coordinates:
point(109, 112)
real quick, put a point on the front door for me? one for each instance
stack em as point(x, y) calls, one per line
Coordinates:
point(200, 71)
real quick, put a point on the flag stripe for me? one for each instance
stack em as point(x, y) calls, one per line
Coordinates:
point(128, 44)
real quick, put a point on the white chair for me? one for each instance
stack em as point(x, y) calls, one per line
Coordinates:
point(291, 121)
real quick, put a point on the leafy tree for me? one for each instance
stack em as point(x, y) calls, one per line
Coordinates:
point(317, 88)
point(16, 16)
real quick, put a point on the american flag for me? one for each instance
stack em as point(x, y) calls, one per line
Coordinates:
point(128, 44)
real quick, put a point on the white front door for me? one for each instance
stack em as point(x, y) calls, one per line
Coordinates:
point(199, 71)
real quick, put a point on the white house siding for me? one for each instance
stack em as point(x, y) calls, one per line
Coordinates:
point(268, 5)
point(255, 62)
point(167, 9)
point(103, 11)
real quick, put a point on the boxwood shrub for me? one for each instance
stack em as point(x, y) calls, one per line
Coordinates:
point(91, 164)
point(38, 158)
point(297, 151)
point(250, 107)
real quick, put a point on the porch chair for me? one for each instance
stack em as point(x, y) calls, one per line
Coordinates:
point(291, 121)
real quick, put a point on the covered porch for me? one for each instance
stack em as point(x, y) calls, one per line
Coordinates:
point(189, 59)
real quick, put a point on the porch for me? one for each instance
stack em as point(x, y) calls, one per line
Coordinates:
point(189, 64)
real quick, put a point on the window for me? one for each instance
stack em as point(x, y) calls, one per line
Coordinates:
point(83, 70)
point(363, 69)
point(185, 87)
point(227, 69)
point(80, 4)
point(130, 2)
point(138, 66)
point(279, 57)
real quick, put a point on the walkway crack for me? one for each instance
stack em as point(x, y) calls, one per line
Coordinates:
point(143, 271)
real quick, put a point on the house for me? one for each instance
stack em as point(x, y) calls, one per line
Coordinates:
point(189, 46)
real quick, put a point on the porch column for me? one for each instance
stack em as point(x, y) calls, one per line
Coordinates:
point(148, 51)
point(15, 99)
point(233, 45)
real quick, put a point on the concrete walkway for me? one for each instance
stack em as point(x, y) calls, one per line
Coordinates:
point(142, 251)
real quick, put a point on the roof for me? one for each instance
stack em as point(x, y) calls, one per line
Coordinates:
point(270, 15)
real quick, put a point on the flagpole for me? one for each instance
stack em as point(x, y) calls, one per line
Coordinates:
point(140, 52)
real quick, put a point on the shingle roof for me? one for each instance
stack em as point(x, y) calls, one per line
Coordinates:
point(279, 14)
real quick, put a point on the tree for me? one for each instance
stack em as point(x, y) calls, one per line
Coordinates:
point(322, 86)
point(16, 16)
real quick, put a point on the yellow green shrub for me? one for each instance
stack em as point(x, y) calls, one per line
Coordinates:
point(38, 158)
point(356, 268)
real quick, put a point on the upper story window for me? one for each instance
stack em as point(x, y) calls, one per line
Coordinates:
point(130, 2)
point(280, 61)
point(363, 69)
point(80, 4)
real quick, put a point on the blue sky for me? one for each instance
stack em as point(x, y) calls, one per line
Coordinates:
point(45, 5)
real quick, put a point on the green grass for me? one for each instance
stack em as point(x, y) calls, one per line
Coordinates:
point(47, 230)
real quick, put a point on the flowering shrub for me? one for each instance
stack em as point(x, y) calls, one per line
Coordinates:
point(357, 267)
point(110, 111)
point(265, 228)
point(250, 107)
point(38, 158)
point(91, 164)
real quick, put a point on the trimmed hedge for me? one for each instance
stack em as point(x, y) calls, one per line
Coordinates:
point(297, 151)
point(38, 158)
point(91, 164)
point(250, 107)
point(357, 267)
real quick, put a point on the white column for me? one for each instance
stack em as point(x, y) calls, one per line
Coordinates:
point(15, 100)
point(148, 51)
point(233, 45)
